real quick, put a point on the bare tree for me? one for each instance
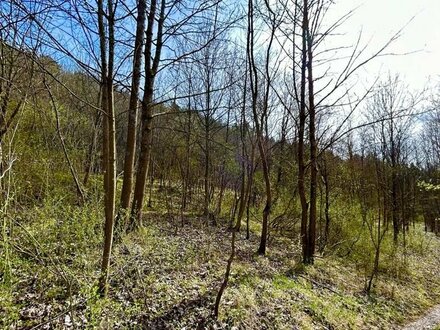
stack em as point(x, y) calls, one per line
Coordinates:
point(152, 60)
point(393, 102)
point(107, 47)
point(127, 184)
point(260, 105)
point(156, 36)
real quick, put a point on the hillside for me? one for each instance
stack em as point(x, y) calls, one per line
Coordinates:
point(166, 276)
point(214, 164)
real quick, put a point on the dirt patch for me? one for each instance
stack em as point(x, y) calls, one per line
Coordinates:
point(427, 322)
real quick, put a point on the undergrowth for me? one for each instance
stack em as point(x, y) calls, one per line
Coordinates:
point(166, 276)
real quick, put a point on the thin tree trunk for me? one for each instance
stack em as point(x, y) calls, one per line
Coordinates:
point(150, 190)
point(377, 245)
point(260, 124)
point(75, 178)
point(243, 198)
point(301, 133)
point(226, 277)
point(223, 180)
point(147, 110)
point(144, 161)
point(326, 206)
point(248, 234)
point(127, 184)
point(109, 140)
point(187, 153)
point(92, 148)
point(243, 184)
point(111, 191)
point(206, 171)
point(313, 143)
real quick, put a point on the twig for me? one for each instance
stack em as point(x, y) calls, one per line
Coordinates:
point(59, 314)
point(319, 284)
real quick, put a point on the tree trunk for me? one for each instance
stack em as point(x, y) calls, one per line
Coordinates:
point(187, 155)
point(260, 121)
point(79, 190)
point(300, 150)
point(127, 183)
point(92, 148)
point(326, 207)
point(151, 66)
point(109, 140)
point(206, 168)
point(144, 161)
point(226, 277)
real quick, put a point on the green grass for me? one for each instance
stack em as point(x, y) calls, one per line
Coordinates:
point(158, 275)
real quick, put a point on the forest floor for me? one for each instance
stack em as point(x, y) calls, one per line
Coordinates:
point(166, 276)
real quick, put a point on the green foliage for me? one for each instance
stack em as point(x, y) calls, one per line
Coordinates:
point(428, 186)
point(9, 310)
point(54, 245)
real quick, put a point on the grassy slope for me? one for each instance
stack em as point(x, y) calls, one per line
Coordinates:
point(166, 276)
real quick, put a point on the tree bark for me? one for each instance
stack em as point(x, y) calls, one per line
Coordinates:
point(301, 133)
point(79, 190)
point(259, 124)
point(151, 67)
point(313, 144)
point(127, 184)
point(109, 140)
point(92, 148)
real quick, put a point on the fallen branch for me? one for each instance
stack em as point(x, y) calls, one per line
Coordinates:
point(320, 284)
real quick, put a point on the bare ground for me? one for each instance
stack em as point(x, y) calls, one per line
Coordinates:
point(428, 322)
